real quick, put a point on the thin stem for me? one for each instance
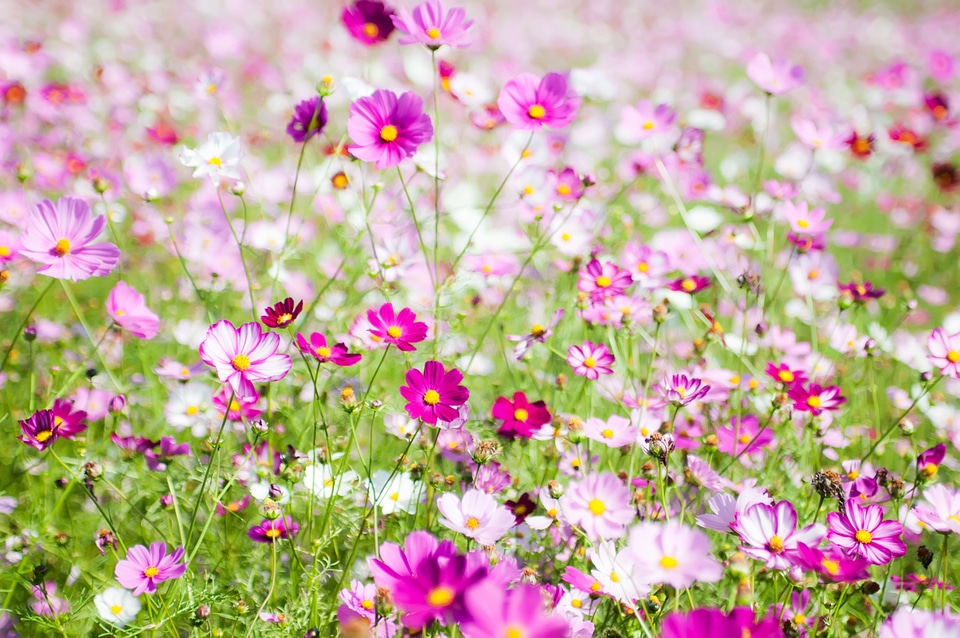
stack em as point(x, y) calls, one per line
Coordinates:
point(243, 261)
point(293, 198)
point(23, 324)
point(416, 223)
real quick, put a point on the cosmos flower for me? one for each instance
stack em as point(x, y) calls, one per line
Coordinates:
point(590, 360)
point(615, 432)
point(309, 118)
point(61, 239)
point(774, 77)
point(681, 389)
point(945, 352)
point(282, 314)
point(538, 334)
point(690, 285)
point(673, 554)
point(244, 356)
point(783, 374)
point(129, 309)
point(861, 531)
point(368, 21)
point(928, 461)
point(743, 436)
point(769, 533)
point(144, 568)
point(713, 622)
point(519, 611)
point(387, 129)
point(603, 280)
point(433, 26)
point(940, 509)
point(915, 623)
point(117, 606)
point(520, 417)
point(600, 505)
point(271, 530)
point(400, 329)
point(815, 398)
point(318, 349)
point(530, 103)
point(478, 516)
point(434, 393)
point(41, 430)
point(216, 158)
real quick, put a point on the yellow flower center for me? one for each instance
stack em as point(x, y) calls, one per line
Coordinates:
point(688, 284)
point(606, 433)
point(744, 438)
point(603, 281)
point(367, 604)
point(537, 330)
point(115, 609)
point(537, 112)
point(596, 507)
point(371, 30)
point(4, 251)
point(648, 126)
point(863, 536)
point(43, 436)
point(802, 223)
point(853, 474)
point(594, 586)
point(324, 351)
point(799, 619)
point(234, 406)
point(431, 397)
point(831, 566)
point(273, 532)
point(929, 470)
point(215, 161)
point(776, 544)
point(520, 415)
point(394, 332)
point(643, 266)
point(192, 410)
point(62, 247)
point(340, 181)
point(440, 596)
point(240, 363)
point(515, 632)
point(814, 402)
point(589, 362)
point(953, 356)
point(786, 376)
point(388, 133)
point(668, 562)
point(284, 319)
point(563, 190)
point(472, 523)
point(151, 572)
point(433, 33)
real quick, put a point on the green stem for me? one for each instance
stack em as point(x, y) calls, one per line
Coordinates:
point(23, 324)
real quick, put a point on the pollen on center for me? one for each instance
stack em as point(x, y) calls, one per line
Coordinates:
point(388, 133)
point(240, 363)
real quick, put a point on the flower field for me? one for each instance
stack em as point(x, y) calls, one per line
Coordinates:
point(479, 319)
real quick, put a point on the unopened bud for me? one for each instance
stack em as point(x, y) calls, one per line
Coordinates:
point(30, 333)
point(151, 195)
point(238, 189)
point(118, 403)
point(166, 501)
point(100, 185)
point(260, 426)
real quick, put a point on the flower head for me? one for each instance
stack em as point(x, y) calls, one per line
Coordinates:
point(368, 21)
point(519, 611)
point(681, 389)
point(432, 25)
point(590, 360)
point(673, 554)
point(520, 417)
point(815, 398)
point(387, 129)
point(713, 622)
point(244, 356)
point(317, 348)
point(129, 309)
point(434, 393)
point(600, 505)
point(478, 516)
point(309, 118)
point(272, 530)
point(117, 606)
point(945, 352)
point(61, 238)
point(218, 157)
point(769, 533)
point(282, 314)
point(601, 281)
point(144, 568)
point(774, 77)
point(861, 531)
point(690, 285)
point(400, 329)
point(538, 334)
point(530, 103)
point(41, 430)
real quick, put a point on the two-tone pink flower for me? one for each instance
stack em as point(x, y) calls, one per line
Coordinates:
point(244, 356)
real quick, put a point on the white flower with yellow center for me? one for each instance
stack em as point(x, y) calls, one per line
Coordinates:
point(218, 157)
point(117, 606)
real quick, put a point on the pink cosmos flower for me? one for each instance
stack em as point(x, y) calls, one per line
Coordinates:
point(832, 564)
point(600, 505)
point(434, 393)
point(672, 553)
point(940, 509)
point(915, 623)
point(244, 356)
point(700, 623)
point(681, 389)
point(646, 120)
point(271, 530)
point(783, 374)
point(401, 329)
point(478, 516)
point(433, 26)
point(318, 349)
point(529, 103)
point(861, 531)
point(770, 534)
point(520, 417)
point(745, 437)
point(387, 129)
point(928, 461)
point(603, 280)
point(61, 238)
point(143, 568)
point(69, 421)
point(519, 611)
point(815, 398)
point(648, 266)
point(690, 285)
point(615, 432)
point(590, 360)
point(368, 21)
point(129, 309)
point(945, 352)
point(803, 220)
point(566, 185)
point(776, 78)
point(819, 135)
point(538, 334)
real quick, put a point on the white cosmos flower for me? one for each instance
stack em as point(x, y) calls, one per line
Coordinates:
point(218, 157)
point(117, 606)
point(399, 494)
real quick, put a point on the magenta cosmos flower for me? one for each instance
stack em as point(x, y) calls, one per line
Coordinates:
point(400, 329)
point(601, 281)
point(743, 436)
point(713, 622)
point(434, 393)
point(143, 568)
point(529, 103)
point(945, 352)
point(244, 356)
point(672, 553)
point(815, 398)
point(387, 129)
point(41, 430)
point(776, 78)
point(600, 505)
point(368, 21)
point(590, 360)
point(61, 238)
point(520, 417)
point(861, 531)
point(432, 25)
point(269, 531)
point(520, 611)
point(129, 309)
point(318, 349)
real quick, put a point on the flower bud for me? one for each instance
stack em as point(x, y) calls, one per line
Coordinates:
point(30, 333)
point(151, 195)
point(117, 404)
point(238, 189)
point(166, 501)
point(260, 426)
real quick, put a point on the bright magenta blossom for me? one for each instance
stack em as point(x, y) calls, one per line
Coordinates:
point(432, 25)
point(244, 356)
point(861, 531)
point(434, 393)
point(590, 360)
point(387, 129)
point(400, 329)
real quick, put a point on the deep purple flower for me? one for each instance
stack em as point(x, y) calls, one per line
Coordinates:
point(929, 460)
point(434, 393)
point(860, 293)
point(309, 118)
point(169, 448)
point(269, 531)
point(387, 129)
point(40, 430)
point(861, 531)
point(523, 507)
point(368, 21)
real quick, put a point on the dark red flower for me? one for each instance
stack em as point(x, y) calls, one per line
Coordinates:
point(282, 313)
point(522, 507)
